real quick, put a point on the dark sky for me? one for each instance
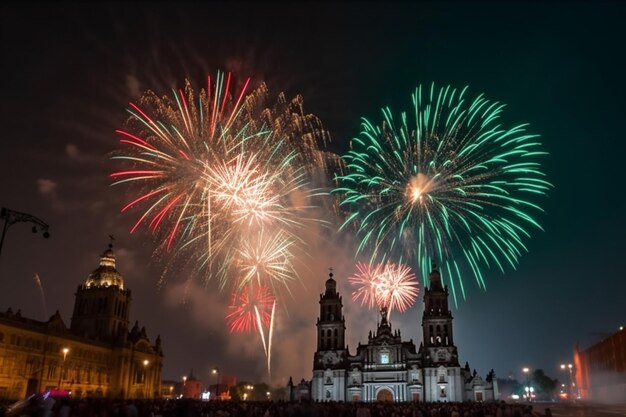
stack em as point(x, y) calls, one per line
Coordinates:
point(68, 72)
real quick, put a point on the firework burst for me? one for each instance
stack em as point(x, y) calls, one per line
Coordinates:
point(447, 183)
point(215, 167)
point(226, 179)
point(387, 285)
point(244, 306)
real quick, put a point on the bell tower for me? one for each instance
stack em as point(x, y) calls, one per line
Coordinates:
point(330, 359)
point(437, 319)
point(440, 357)
point(331, 326)
point(102, 305)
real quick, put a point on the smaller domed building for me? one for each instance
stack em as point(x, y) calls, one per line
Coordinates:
point(99, 355)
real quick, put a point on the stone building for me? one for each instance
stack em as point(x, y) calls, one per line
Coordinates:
point(388, 368)
point(98, 355)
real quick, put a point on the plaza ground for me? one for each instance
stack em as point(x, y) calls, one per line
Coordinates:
point(581, 409)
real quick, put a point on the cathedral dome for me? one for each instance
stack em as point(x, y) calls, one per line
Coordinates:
point(105, 275)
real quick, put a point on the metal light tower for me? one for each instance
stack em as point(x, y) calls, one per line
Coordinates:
point(11, 217)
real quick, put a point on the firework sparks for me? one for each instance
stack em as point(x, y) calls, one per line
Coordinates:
point(214, 167)
point(244, 307)
point(265, 258)
point(450, 185)
point(386, 285)
point(367, 281)
point(226, 179)
point(398, 288)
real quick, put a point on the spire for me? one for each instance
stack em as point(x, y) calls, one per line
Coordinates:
point(331, 284)
point(383, 316)
point(383, 327)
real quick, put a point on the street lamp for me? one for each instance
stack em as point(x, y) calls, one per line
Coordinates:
point(184, 386)
point(65, 352)
point(528, 390)
point(146, 362)
point(248, 388)
point(216, 372)
point(570, 368)
point(268, 395)
point(11, 217)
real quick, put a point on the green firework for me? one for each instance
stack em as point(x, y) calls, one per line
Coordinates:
point(447, 183)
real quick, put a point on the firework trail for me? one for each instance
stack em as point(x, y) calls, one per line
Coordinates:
point(269, 345)
point(41, 293)
point(253, 309)
point(388, 285)
point(447, 182)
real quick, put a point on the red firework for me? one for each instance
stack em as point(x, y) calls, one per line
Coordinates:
point(245, 304)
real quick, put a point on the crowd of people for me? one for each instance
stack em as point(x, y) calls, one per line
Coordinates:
point(66, 407)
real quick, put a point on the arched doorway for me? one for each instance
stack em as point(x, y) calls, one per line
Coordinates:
point(384, 395)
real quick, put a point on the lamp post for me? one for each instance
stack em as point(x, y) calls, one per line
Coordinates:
point(247, 393)
point(65, 352)
point(569, 367)
point(528, 390)
point(11, 217)
point(146, 362)
point(216, 372)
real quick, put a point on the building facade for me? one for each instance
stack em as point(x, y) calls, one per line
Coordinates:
point(601, 370)
point(98, 355)
point(388, 368)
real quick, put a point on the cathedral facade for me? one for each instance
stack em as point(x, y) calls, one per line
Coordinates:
point(388, 368)
point(98, 355)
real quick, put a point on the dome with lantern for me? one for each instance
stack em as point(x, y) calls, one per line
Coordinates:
point(105, 275)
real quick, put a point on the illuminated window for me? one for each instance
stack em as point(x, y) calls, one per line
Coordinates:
point(384, 357)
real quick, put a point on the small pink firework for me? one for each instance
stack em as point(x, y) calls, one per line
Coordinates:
point(385, 285)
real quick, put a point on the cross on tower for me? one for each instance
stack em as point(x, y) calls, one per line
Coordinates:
point(331, 271)
point(111, 239)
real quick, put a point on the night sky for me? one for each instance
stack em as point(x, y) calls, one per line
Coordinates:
point(69, 71)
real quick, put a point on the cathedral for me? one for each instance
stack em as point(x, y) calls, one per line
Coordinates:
point(388, 368)
point(99, 355)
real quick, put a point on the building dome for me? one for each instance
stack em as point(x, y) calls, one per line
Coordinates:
point(105, 275)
